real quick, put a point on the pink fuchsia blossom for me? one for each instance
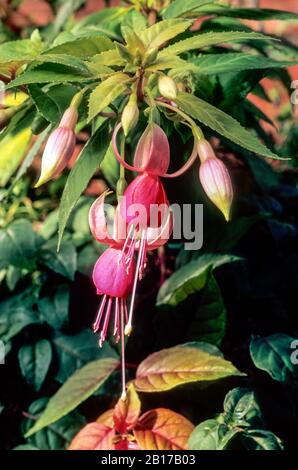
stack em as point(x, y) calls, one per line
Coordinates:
point(131, 235)
point(59, 147)
point(215, 178)
point(114, 281)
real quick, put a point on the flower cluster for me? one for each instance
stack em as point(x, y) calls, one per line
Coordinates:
point(143, 220)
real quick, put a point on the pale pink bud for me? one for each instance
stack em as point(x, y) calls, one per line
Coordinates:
point(59, 147)
point(130, 115)
point(69, 118)
point(167, 87)
point(215, 179)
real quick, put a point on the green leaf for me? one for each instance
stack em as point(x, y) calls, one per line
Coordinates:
point(190, 278)
point(25, 447)
point(48, 73)
point(181, 365)
point(63, 262)
point(222, 123)
point(205, 436)
point(44, 103)
point(54, 309)
point(106, 92)
point(56, 436)
point(83, 47)
point(74, 351)
point(210, 64)
point(62, 95)
point(260, 439)
point(259, 14)
point(171, 62)
point(16, 313)
point(74, 62)
point(80, 386)
point(163, 31)
point(19, 51)
point(242, 409)
point(135, 20)
point(35, 361)
point(87, 163)
point(209, 323)
point(180, 7)
point(274, 354)
point(13, 275)
point(107, 58)
point(19, 245)
point(210, 39)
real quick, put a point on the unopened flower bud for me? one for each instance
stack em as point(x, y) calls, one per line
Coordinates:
point(69, 118)
point(59, 147)
point(215, 179)
point(167, 87)
point(130, 115)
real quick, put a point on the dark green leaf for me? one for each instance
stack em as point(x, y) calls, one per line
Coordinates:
point(74, 351)
point(63, 262)
point(236, 61)
point(54, 309)
point(19, 245)
point(260, 439)
point(190, 278)
point(209, 323)
point(48, 73)
point(44, 103)
point(275, 354)
point(35, 361)
point(242, 409)
point(16, 313)
point(56, 436)
point(222, 123)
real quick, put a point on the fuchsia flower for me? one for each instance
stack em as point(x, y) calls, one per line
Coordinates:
point(59, 147)
point(114, 281)
point(215, 178)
